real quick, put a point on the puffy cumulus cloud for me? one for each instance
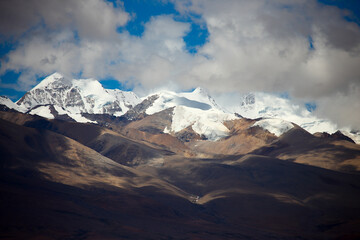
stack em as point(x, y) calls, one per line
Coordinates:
point(90, 18)
point(302, 47)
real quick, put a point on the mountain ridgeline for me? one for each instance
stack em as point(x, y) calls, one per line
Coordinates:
point(82, 162)
point(85, 100)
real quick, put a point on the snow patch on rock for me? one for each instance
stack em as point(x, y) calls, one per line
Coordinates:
point(355, 136)
point(79, 118)
point(275, 126)
point(42, 111)
point(207, 123)
point(10, 104)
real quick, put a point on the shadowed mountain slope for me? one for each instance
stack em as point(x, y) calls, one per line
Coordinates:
point(289, 199)
point(53, 186)
point(109, 143)
point(67, 180)
point(331, 152)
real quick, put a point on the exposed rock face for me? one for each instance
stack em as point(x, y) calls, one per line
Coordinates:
point(138, 111)
point(248, 100)
point(188, 135)
point(335, 136)
point(73, 99)
point(52, 90)
point(112, 108)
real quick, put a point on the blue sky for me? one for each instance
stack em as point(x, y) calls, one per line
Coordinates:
point(351, 5)
point(142, 11)
point(309, 50)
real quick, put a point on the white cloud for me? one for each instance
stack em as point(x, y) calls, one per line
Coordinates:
point(149, 61)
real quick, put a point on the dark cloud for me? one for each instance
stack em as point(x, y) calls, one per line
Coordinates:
point(49, 60)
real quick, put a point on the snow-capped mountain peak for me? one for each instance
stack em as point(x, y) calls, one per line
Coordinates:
point(200, 94)
point(274, 125)
point(55, 80)
point(200, 91)
point(77, 96)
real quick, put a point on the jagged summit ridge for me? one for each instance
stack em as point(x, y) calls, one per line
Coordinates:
point(77, 96)
point(55, 80)
point(60, 97)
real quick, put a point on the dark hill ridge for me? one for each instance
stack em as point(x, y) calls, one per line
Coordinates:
point(68, 180)
point(51, 155)
point(335, 152)
point(54, 186)
point(267, 193)
point(111, 144)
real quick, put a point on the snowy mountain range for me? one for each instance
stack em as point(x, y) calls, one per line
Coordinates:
point(74, 99)
point(270, 106)
point(143, 168)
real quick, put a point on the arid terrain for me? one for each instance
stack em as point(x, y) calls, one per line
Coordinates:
point(68, 180)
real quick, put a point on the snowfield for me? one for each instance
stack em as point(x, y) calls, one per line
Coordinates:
point(42, 111)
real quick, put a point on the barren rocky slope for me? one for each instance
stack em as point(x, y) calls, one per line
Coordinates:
point(64, 179)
